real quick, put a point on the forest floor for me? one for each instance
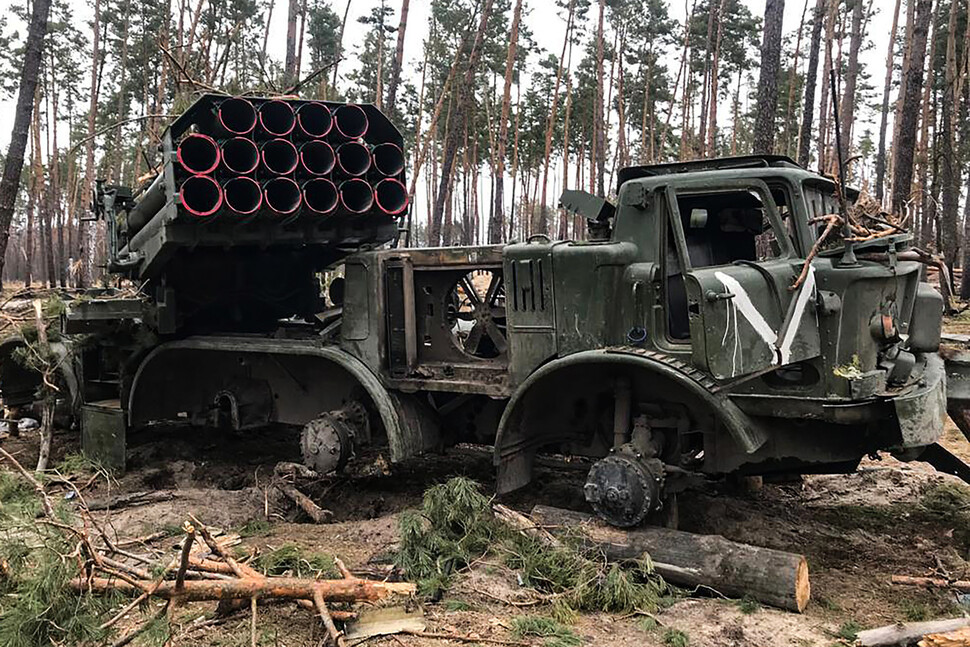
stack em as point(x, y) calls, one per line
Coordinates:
point(856, 530)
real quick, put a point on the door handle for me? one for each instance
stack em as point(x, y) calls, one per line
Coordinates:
point(711, 296)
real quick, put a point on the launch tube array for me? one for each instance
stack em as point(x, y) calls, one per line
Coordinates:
point(279, 159)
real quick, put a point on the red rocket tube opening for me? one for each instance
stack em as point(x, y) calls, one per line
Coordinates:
point(391, 197)
point(317, 157)
point(351, 121)
point(282, 195)
point(353, 158)
point(320, 195)
point(356, 195)
point(198, 154)
point(314, 119)
point(388, 159)
point(280, 156)
point(277, 118)
point(240, 155)
point(237, 116)
point(243, 195)
point(201, 195)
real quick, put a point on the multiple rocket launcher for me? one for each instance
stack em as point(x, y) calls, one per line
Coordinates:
point(280, 160)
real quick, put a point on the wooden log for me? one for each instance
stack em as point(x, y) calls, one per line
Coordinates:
point(932, 582)
point(733, 569)
point(289, 588)
point(910, 632)
point(958, 638)
point(305, 503)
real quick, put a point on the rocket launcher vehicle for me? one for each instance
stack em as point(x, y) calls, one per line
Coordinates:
point(243, 173)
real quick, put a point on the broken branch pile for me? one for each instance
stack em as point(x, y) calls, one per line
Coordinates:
point(89, 564)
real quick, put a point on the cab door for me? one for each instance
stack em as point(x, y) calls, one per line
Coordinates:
point(739, 268)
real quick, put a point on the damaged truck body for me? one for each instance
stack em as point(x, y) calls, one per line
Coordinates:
point(688, 338)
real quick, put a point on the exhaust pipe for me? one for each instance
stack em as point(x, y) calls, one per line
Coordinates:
point(240, 155)
point(201, 195)
point(320, 195)
point(198, 154)
point(351, 121)
point(391, 197)
point(388, 159)
point(353, 159)
point(356, 195)
point(280, 156)
point(243, 195)
point(316, 156)
point(277, 118)
point(314, 119)
point(282, 196)
point(237, 116)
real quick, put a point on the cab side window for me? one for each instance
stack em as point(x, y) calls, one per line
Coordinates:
point(727, 226)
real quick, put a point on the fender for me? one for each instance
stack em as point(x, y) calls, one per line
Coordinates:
point(515, 448)
point(410, 429)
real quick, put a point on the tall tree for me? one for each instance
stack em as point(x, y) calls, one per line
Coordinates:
point(289, 65)
point(950, 171)
point(599, 121)
point(847, 107)
point(764, 128)
point(395, 78)
point(495, 225)
point(808, 106)
point(14, 162)
point(912, 84)
point(884, 115)
point(453, 140)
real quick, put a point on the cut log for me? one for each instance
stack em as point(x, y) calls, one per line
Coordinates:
point(315, 512)
point(958, 638)
point(772, 577)
point(905, 634)
point(278, 587)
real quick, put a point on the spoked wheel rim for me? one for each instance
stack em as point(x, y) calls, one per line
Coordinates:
point(476, 311)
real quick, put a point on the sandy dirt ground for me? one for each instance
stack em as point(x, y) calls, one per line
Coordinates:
point(857, 530)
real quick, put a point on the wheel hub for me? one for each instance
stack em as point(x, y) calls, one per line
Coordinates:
point(623, 488)
point(327, 442)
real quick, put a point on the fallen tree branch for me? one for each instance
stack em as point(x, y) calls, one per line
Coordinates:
point(267, 587)
point(305, 503)
point(931, 582)
point(461, 638)
point(904, 634)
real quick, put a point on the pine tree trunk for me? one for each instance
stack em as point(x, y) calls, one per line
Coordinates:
point(495, 225)
point(465, 91)
point(808, 107)
point(825, 105)
point(395, 79)
point(792, 78)
point(14, 161)
point(84, 252)
point(847, 106)
point(702, 131)
point(289, 65)
point(543, 225)
point(599, 134)
point(949, 165)
point(764, 127)
point(682, 72)
point(884, 116)
point(710, 148)
point(340, 44)
point(912, 86)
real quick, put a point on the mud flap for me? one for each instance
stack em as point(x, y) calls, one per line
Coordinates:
point(943, 461)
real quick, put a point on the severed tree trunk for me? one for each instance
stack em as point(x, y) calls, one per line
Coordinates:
point(808, 108)
point(847, 107)
point(884, 117)
point(824, 106)
point(764, 125)
point(14, 161)
point(453, 138)
point(495, 227)
point(770, 576)
point(912, 86)
point(395, 79)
